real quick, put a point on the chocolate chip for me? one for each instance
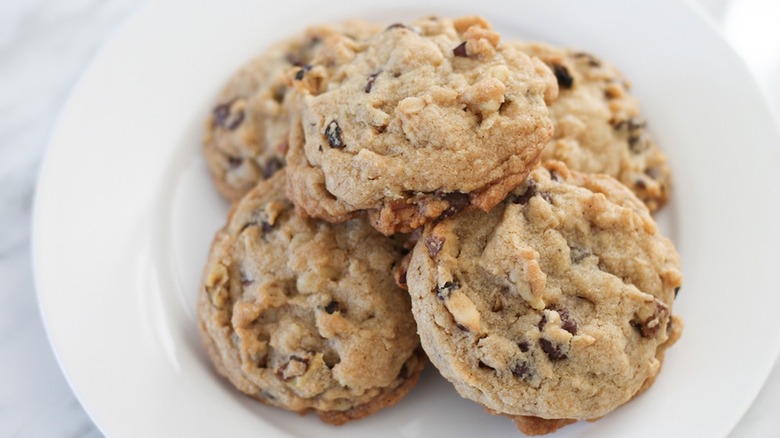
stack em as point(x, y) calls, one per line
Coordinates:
point(524, 346)
point(273, 165)
point(521, 370)
point(370, 83)
point(567, 321)
point(530, 192)
point(267, 228)
point(305, 69)
point(225, 117)
point(333, 132)
point(676, 290)
point(542, 322)
point(462, 327)
point(554, 175)
point(460, 50)
point(554, 352)
point(446, 289)
point(563, 76)
point(640, 184)
point(546, 196)
point(333, 306)
point(221, 113)
point(631, 124)
point(434, 244)
point(457, 201)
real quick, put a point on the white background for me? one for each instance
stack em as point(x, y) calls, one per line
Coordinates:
point(44, 45)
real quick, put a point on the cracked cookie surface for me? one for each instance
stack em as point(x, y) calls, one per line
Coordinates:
point(556, 305)
point(598, 125)
point(417, 123)
point(245, 139)
point(304, 314)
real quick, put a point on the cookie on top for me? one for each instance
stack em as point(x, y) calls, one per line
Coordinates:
point(416, 123)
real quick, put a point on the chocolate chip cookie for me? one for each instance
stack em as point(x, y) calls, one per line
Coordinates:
point(304, 314)
point(246, 133)
point(420, 122)
point(555, 306)
point(598, 125)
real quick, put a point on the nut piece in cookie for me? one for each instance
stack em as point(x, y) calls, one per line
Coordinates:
point(417, 123)
point(553, 307)
point(305, 315)
point(598, 126)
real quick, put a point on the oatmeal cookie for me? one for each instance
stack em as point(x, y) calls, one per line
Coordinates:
point(416, 123)
point(246, 133)
point(304, 314)
point(598, 125)
point(556, 305)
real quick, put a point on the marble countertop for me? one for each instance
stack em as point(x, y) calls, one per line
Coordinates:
point(44, 45)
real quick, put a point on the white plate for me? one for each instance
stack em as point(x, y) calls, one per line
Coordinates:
point(125, 212)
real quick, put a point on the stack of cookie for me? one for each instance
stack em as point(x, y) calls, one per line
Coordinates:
point(429, 189)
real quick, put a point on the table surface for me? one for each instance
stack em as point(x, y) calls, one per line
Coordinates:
point(44, 46)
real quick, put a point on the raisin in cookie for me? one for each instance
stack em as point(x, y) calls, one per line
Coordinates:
point(246, 133)
point(421, 122)
point(553, 307)
point(598, 126)
point(304, 314)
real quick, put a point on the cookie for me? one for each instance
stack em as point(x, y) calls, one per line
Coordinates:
point(417, 123)
point(304, 314)
point(554, 305)
point(246, 133)
point(598, 125)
